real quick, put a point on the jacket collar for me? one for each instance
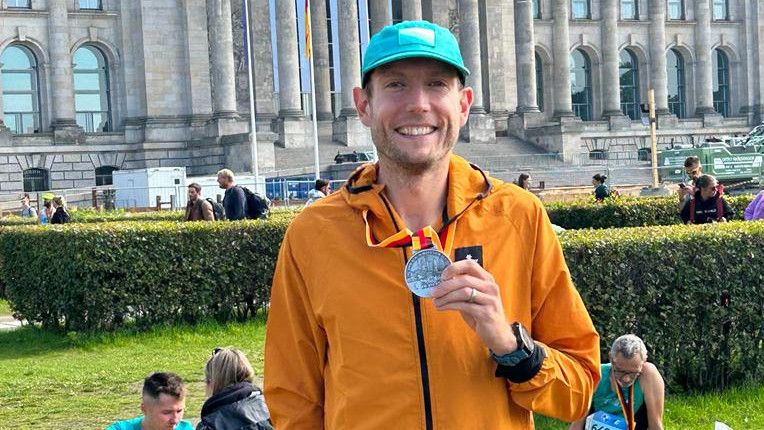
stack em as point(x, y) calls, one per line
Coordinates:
point(230, 394)
point(467, 183)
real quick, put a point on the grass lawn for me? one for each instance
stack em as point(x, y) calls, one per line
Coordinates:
point(50, 381)
point(53, 381)
point(5, 309)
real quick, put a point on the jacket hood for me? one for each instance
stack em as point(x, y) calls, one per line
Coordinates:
point(467, 183)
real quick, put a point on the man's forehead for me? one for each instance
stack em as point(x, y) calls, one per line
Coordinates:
point(434, 66)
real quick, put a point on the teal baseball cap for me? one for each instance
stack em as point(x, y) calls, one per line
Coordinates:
point(413, 39)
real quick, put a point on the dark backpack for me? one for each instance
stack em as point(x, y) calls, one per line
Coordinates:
point(217, 209)
point(258, 207)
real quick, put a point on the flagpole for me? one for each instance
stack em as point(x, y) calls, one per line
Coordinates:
point(309, 51)
point(252, 123)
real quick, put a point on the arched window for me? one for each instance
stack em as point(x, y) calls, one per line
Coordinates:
point(629, 9)
point(539, 83)
point(721, 83)
point(581, 9)
point(35, 180)
point(675, 75)
point(91, 90)
point(21, 92)
point(675, 9)
point(629, 81)
point(721, 10)
point(581, 84)
point(104, 176)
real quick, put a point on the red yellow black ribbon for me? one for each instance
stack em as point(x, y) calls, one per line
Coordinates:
point(627, 405)
point(422, 239)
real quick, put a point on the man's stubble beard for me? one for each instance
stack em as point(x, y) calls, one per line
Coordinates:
point(402, 161)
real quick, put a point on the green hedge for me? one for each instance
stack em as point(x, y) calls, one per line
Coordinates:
point(80, 216)
point(97, 276)
point(665, 284)
point(627, 212)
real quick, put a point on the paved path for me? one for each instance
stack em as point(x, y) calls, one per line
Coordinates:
point(8, 323)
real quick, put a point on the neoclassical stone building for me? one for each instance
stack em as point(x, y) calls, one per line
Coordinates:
point(89, 86)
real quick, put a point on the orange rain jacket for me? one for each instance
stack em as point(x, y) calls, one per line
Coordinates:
point(349, 347)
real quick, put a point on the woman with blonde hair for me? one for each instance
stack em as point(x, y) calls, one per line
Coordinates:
point(234, 402)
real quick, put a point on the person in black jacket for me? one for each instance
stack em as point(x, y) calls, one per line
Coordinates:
point(234, 200)
point(707, 205)
point(234, 402)
point(60, 216)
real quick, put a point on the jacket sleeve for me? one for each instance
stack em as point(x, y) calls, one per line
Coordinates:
point(685, 214)
point(295, 350)
point(751, 208)
point(207, 213)
point(561, 325)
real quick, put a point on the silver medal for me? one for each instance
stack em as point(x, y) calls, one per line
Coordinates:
point(423, 270)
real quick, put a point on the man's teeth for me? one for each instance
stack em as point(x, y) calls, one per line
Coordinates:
point(415, 131)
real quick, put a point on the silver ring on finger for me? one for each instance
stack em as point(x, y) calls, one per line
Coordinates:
point(473, 293)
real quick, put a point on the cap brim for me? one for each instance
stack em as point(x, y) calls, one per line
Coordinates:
point(463, 71)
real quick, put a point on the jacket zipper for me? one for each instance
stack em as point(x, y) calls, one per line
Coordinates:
point(419, 339)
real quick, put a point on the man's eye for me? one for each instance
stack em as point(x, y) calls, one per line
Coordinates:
point(437, 84)
point(394, 84)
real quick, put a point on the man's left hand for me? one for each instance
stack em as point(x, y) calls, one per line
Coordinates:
point(468, 288)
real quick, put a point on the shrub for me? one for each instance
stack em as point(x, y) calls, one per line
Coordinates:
point(97, 276)
point(666, 285)
point(627, 212)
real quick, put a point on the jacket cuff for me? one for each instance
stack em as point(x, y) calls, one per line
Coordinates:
point(525, 370)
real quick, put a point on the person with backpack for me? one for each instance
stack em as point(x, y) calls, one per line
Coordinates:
point(235, 199)
point(707, 204)
point(198, 208)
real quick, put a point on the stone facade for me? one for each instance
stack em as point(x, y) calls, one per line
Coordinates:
point(178, 87)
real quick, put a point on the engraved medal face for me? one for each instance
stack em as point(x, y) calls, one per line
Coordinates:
point(423, 270)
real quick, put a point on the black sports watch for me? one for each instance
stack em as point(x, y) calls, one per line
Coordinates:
point(525, 347)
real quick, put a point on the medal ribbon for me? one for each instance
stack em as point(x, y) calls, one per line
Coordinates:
point(422, 239)
point(627, 405)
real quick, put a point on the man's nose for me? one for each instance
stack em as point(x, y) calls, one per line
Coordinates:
point(417, 99)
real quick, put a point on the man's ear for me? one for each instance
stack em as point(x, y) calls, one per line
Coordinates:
point(143, 408)
point(465, 102)
point(361, 99)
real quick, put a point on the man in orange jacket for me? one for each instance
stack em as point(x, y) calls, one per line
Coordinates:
point(424, 294)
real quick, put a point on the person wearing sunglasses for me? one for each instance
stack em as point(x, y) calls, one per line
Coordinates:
point(631, 388)
point(234, 402)
point(692, 171)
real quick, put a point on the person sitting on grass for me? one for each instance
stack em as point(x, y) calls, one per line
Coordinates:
point(163, 404)
point(629, 386)
point(708, 204)
point(234, 402)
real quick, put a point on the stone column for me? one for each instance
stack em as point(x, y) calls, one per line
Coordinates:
point(480, 127)
point(658, 72)
point(262, 51)
point(563, 103)
point(610, 59)
point(293, 127)
point(379, 15)
point(321, 59)
point(704, 64)
point(64, 124)
point(412, 10)
point(2, 115)
point(526, 57)
point(221, 58)
point(348, 128)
